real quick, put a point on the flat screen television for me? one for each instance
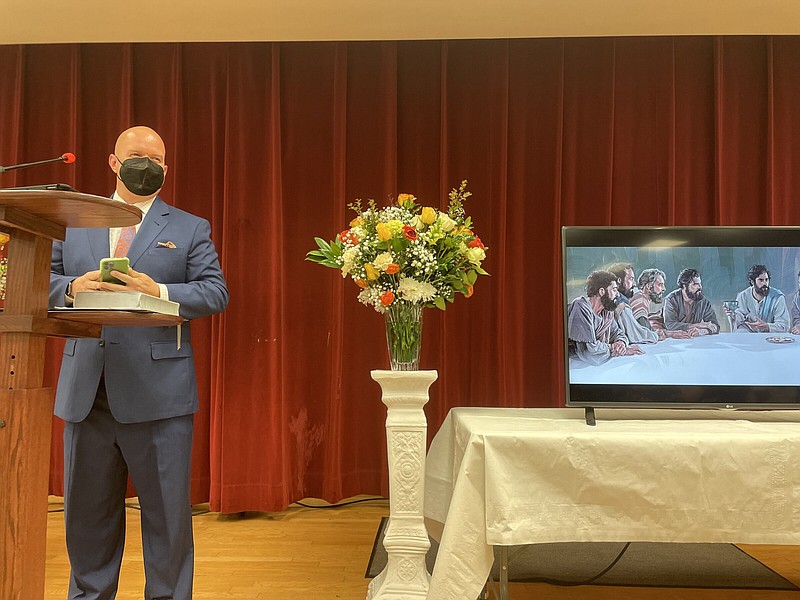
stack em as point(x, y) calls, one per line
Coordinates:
point(692, 352)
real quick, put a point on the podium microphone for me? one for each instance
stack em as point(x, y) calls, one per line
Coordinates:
point(67, 157)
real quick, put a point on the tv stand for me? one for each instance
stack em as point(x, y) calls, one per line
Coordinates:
point(589, 416)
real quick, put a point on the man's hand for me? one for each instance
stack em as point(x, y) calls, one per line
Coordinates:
point(697, 330)
point(702, 328)
point(709, 326)
point(632, 349)
point(678, 334)
point(795, 330)
point(618, 348)
point(134, 282)
point(756, 325)
point(87, 282)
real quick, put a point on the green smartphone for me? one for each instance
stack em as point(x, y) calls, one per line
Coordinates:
point(113, 264)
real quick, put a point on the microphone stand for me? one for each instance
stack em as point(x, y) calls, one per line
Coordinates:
point(64, 158)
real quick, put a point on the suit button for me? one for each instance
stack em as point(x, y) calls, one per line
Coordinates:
point(102, 343)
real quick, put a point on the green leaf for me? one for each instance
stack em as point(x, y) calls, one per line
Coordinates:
point(440, 303)
point(322, 244)
point(472, 277)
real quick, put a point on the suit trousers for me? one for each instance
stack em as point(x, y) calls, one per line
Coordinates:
point(99, 453)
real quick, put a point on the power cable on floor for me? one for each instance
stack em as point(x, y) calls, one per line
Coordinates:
point(586, 581)
point(338, 505)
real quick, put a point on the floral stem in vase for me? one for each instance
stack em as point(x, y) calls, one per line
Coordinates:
point(404, 335)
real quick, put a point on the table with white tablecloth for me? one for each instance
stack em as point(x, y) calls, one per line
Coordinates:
point(499, 476)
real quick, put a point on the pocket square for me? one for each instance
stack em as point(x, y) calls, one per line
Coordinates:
point(165, 245)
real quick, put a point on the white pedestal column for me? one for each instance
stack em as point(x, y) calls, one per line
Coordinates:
point(406, 540)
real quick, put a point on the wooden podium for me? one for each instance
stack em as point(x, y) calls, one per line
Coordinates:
point(34, 218)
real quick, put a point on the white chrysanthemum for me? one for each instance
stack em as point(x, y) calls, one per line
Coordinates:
point(382, 261)
point(415, 291)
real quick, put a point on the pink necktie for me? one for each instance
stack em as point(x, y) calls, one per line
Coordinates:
point(124, 243)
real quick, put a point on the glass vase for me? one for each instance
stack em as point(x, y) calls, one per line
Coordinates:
point(404, 335)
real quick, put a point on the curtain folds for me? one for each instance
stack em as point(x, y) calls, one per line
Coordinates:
point(271, 141)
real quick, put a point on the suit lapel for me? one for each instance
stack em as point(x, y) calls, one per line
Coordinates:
point(156, 219)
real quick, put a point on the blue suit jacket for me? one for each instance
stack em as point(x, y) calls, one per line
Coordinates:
point(146, 375)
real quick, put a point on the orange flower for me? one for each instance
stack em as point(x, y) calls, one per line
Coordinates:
point(392, 269)
point(469, 291)
point(348, 237)
point(406, 200)
point(476, 243)
point(4, 237)
point(387, 298)
point(361, 283)
point(409, 233)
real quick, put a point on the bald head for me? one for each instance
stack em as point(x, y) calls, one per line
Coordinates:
point(136, 142)
point(139, 135)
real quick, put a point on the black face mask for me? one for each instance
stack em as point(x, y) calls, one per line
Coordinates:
point(141, 176)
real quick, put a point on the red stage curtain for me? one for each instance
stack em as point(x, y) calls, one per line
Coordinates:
point(270, 141)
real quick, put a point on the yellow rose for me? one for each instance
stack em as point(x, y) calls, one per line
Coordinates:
point(372, 272)
point(383, 231)
point(428, 215)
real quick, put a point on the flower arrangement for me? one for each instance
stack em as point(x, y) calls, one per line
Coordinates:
point(4, 238)
point(406, 257)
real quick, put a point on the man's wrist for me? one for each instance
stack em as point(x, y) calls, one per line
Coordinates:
point(69, 293)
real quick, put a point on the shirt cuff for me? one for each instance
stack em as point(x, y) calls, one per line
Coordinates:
point(164, 292)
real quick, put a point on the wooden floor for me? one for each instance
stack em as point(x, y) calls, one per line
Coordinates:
point(322, 554)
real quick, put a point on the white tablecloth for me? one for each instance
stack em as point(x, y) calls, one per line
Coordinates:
point(726, 358)
point(518, 476)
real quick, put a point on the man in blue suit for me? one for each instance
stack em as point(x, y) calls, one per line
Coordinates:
point(128, 399)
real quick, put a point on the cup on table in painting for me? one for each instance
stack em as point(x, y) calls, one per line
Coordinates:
point(730, 310)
